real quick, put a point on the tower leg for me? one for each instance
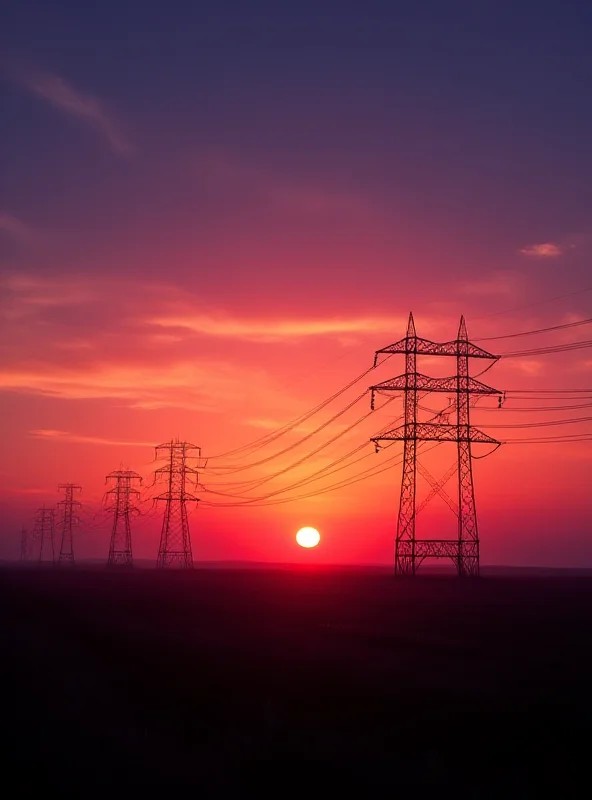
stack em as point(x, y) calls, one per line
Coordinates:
point(405, 556)
point(468, 539)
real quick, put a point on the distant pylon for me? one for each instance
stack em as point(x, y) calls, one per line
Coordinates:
point(121, 494)
point(44, 533)
point(175, 539)
point(24, 544)
point(68, 521)
point(464, 550)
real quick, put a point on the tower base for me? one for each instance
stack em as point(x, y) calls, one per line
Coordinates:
point(409, 555)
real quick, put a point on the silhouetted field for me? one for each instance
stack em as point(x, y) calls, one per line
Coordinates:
point(235, 682)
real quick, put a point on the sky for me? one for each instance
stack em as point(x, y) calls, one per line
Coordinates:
point(212, 216)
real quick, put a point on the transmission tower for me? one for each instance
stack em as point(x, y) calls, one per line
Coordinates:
point(120, 495)
point(44, 533)
point(24, 544)
point(464, 550)
point(175, 539)
point(68, 521)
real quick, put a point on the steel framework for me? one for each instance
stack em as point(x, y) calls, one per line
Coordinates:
point(24, 544)
point(175, 539)
point(68, 522)
point(464, 550)
point(43, 533)
point(120, 495)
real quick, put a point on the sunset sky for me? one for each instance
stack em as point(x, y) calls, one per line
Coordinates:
point(210, 220)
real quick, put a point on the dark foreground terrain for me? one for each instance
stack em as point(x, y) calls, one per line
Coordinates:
point(232, 683)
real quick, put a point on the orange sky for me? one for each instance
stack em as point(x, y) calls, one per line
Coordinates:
point(210, 225)
point(97, 372)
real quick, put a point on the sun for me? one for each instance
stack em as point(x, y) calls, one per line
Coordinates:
point(308, 537)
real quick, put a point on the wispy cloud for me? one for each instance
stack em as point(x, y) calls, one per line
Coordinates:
point(526, 366)
point(26, 491)
point(23, 296)
point(189, 385)
point(15, 228)
point(542, 250)
point(497, 283)
point(66, 436)
point(227, 173)
point(265, 330)
point(61, 95)
point(208, 387)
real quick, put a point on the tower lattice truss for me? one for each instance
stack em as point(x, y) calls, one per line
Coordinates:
point(68, 522)
point(410, 551)
point(121, 497)
point(43, 534)
point(175, 539)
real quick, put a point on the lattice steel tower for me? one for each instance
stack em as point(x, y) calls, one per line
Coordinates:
point(120, 495)
point(175, 539)
point(464, 550)
point(44, 533)
point(24, 544)
point(68, 521)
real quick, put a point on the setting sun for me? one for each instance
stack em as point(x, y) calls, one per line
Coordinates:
point(308, 537)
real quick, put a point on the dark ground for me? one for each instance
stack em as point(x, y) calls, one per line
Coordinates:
point(233, 682)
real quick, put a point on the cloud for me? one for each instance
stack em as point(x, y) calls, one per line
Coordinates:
point(25, 491)
point(61, 95)
point(498, 283)
point(135, 345)
point(264, 330)
point(187, 385)
point(23, 297)
point(542, 250)
point(14, 227)
point(526, 366)
point(232, 175)
point(66, 436)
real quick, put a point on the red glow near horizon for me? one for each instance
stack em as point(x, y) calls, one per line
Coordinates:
point(207, 244)
point(81, 407)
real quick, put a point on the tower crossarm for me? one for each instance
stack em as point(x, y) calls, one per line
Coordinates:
point(177, 495)
point(412, 344)
point(434, 432)
point(177, 469)
point(179, 446)
point(425, 347)
point(420, 382)
point(437, 548)
point(462, 347)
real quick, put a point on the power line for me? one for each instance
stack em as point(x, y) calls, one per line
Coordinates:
point(532, 305)
point(364, 475)
point(536, 332)
point(532, 408)
point(263, 441)
point(541, 351)
point(230, 470)
point(260, 500)
point(544, 424)
point(551, 439)
point(324, 472)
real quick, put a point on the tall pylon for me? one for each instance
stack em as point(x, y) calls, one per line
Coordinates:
point(464, 550)
point(175, 539)
point(68, 521)
point(24, 544)
point(121, 496)
point(44, 533)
